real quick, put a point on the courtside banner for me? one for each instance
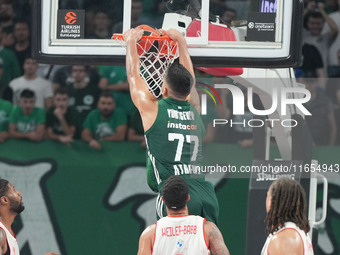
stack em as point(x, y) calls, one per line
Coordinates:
point(69, 191)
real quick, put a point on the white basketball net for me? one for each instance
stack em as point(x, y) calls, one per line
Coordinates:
point(155, 57)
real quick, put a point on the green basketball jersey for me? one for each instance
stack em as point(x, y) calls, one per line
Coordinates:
point(174, 142)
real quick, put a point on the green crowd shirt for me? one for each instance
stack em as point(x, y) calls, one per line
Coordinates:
point(101, 128)
point(5, 110)
point(27, 123)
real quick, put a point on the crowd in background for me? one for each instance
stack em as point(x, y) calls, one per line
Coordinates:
point(92, 103)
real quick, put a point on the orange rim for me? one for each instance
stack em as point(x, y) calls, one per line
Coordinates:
point(144, 37)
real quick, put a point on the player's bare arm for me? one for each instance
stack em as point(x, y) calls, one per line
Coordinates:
point(286, 242)
point(145, 102)
point(146, 241)
point(185, 60)
point(3, 242)
point(215, 239)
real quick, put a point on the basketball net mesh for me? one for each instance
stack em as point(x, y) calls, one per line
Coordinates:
point(155, 57)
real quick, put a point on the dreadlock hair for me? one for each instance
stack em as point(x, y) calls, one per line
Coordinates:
point(175, 193)
point(179, 79)
point(3, 187)
point(288, 203)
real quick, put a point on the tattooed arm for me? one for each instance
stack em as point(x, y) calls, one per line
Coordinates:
point(215, 239)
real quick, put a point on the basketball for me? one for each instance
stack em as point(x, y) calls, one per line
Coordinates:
point(148, 45)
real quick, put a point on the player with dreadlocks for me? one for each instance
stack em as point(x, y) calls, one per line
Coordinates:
point(286, 222)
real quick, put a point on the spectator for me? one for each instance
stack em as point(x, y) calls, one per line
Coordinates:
point(101, 26)
point(153, 12)
point(63, 77)
point(61, 118)
point(333, 64)
point(30, 80)
point(322, 121)
point(136, 17)
point(11, 68)
point(228, 15)
point(114, 79)
point(83, 93)
point(22, 45)
point(331, 6)
point(22, 9)
point(312, 61)
point(333, 84)
point(217, 7)
point(5, 110)
point(7, 16)
point(316, 19)
point(107, 123)
point(27, 121)
point(136, 130)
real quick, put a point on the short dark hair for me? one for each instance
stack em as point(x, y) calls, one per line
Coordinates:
point(61, 91)
point(315, 15)
point(175, 193)
point(27, 93)
point(179, 79)
point(86, 68)
point(3, 187)
point(107, 94)
point(288, 203)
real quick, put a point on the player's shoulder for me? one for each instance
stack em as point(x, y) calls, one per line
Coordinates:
point(286, 241)
point(149, 232)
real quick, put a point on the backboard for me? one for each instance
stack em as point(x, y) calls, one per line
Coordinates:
point(265, 33)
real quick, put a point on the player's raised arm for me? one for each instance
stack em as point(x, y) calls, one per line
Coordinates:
point(140, 94)
point(185, 60)
point(145, 102)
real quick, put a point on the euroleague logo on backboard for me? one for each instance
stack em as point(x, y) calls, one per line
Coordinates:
point(71, 18)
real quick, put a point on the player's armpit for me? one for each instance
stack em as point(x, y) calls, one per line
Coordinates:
point(3, 242)
point(286, 242)
point(215, 239)
point(146, 241)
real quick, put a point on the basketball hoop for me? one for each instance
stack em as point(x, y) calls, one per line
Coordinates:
point(156, 54)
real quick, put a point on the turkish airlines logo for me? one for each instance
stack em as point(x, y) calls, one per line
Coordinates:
point(71, 18)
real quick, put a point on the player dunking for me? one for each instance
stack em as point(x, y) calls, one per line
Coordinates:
point(173, 127)
point(180, 233)
point(286, 222)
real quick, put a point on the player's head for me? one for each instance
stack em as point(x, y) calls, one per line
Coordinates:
point(177, 81)
point(27, 101)
point(61, 98)
point(10, 197)
point(106, 104)
point(286, 201)
point(175, 193)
